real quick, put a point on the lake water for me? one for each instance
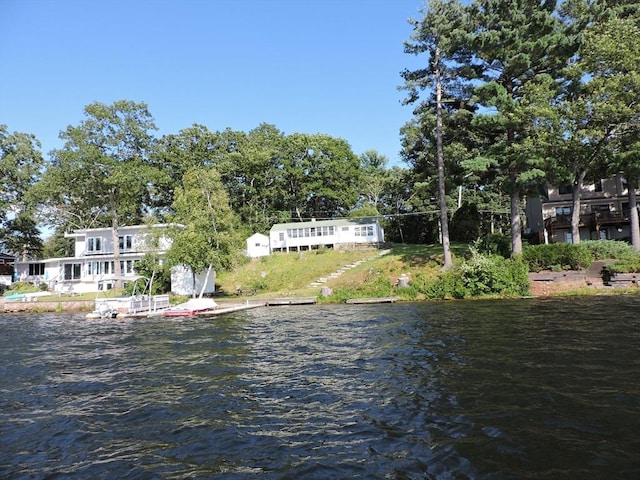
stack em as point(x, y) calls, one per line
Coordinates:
point(513, 389)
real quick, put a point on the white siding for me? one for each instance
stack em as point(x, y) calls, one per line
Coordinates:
point(257, 245)
point(312, 234)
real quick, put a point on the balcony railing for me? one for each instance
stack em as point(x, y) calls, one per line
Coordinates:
point(593, 220)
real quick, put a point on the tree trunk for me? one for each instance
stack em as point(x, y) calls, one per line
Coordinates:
point(575, 202)
point(633, 213)
point(442, 199)
point(115, 237)
point(516, 230)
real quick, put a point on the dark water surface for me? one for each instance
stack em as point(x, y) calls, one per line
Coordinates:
point(539, 389)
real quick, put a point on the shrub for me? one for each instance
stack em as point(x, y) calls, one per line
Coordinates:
point(378, 286)
point(494, 244)
point(605, 249)
point(481, 275)
point(627, 265)
point(557, 256)
point(21, 287)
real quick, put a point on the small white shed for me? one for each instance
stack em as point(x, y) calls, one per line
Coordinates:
point(257, 245)
point(182, 281)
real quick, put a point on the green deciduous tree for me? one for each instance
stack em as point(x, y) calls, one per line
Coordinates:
point(320, 176)
point(102, 175)
point(374, 181)
point(21, 165)
point(208, 237)
point(21, 237)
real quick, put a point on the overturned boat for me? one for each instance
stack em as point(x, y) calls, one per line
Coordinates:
point(191, 307)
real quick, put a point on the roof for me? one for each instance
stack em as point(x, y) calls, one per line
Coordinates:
point(336, 222)
point(84, 231)
point(258, 235)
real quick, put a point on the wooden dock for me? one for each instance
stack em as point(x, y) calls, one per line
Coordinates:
point(291, 301)
point(372, 300)
point(221, 310)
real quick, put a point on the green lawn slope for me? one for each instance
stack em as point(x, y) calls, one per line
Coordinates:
point(359, 271)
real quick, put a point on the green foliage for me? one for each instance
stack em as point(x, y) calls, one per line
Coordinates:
point(150, 267)
point(494, 244)
point(627, 259)
point(58, 246)
point(102, 175)
point(562, 256)
point(481, 275)
point(22, 237)
point(135, 287)
point(20, 166)
point(605, 249)
point(282, 273)
point(209, 233)
point(259, 285)
point(626, 265)
point(377, 286)
point(465, 223)
point(21, 287)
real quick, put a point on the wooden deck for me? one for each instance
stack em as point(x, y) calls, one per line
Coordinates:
point(291, 301)
point(372, 300)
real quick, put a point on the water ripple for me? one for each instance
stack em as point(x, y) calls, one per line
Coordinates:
point(497, 390)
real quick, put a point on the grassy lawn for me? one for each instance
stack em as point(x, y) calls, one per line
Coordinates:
point(290, 274)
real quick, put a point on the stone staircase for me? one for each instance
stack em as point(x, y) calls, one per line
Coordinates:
point(323, 280)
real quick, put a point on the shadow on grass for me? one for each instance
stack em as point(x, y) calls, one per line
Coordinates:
point(431, 254)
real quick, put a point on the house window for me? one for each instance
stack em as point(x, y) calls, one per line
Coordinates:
point(36, 269)
point(366, 231)
point(598, 185)
point(125, 242)
point(568, 237)
point(94, 244)
point(563, 211)
point(564, 189)
point(345, 229)
point(281, 236)
point(72, 271)
point(126, 267)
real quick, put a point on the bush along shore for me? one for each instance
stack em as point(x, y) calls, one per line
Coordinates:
point(413, 273)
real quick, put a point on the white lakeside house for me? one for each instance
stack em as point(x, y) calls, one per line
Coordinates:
point(337, 233)
point(92, 266)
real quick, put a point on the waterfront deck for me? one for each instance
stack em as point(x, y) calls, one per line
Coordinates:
point(372, 300)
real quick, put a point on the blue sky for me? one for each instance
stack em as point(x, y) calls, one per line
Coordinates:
point(309, 66)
